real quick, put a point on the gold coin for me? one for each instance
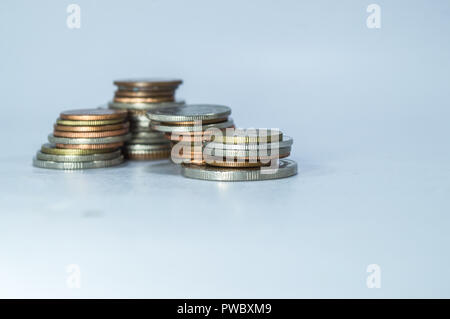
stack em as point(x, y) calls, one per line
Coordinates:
point(144, 93)
point(90, 134)
point(87, 123)
point(90, 146)
point(147, 155)
point(53, 150)
point(148, 83)
point(143, 99)
point(95, 128)
point(93, 114)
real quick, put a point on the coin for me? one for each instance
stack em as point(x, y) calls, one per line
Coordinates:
point(159, 99)
point(246, 154)
point(148, 82)
point(103, 140)
point(143, 106)
point(146, 147)
point(144, 93)
point(146, 156)
point(87, 123)
point(286, 142)
point(90, 146)
point(187, 129)
point(192, 123)
point(249, 136)
point(190, 113)
point(78, 158)
point(93, 114)
point(52, 149)
point(90, 134)
point(285, 168)
point(77, 165)
point(95, 128)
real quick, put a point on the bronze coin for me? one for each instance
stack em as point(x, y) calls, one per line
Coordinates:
point(90, 146)
point(93, 114)
point(90, 134)
point(143, 99)
point(148, 82)
point(98, 128)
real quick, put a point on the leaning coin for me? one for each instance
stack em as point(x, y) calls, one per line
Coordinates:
point(77, 165)
point(93, 114)
point(190, 112)
point(52, 149)
point(187, 129)
point(285, 168)
point(103, 140)
point(77, 158)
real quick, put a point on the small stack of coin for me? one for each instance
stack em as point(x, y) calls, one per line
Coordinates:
point(244, 155)
point(88, 138)
point(190, 125)
point(137, 96)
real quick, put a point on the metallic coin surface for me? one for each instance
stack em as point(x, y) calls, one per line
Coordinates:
point(90, 134)
point(143, 106)
point(52, 149)
point(188, 129)
point(88, 123)
point(146, 147)
point(148, 82)
point(246, 154)
point(189, 112)
point(93, 114)
point(78, 158)
point(286, 142)
point(90, 146)
point(159, 99)
point(285, 168)
point(192, 123)
point(95, 128)
point(103, 140)
point(241, 136)
point(77, 165)
point(243, 161)
point(144, 93)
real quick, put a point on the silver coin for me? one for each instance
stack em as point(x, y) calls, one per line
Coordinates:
point(286, 168)
point(77, 165)
point(146, 147)
point(180, 129)
point(148, 141)
point(104, 140)
point(189, 112)
point(286, 142)
point(143, 106)
point(255, 153)
point(77, 158)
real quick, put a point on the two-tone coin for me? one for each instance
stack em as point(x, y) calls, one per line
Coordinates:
point(104, 140)
point(284, 169)
point(78, 158)
point(52, 149)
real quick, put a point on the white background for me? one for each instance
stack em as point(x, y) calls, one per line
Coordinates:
point(368, 110)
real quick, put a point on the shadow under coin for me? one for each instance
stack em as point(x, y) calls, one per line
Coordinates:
point(164, 168)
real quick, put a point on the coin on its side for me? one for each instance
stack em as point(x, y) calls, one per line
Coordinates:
point(93, 114)
point(285, 168)
point(52, 149)
point(78, 158)
point(103, 140)
point(94, 128)
point(189, 113)
point(77, 165)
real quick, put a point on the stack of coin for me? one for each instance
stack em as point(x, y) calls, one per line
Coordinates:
point(244, 155)
point(190, 125)
point(81, 139)
point(137, 96)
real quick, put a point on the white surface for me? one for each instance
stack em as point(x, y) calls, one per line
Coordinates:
point(368, 111)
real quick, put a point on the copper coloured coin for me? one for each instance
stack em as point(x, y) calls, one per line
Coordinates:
point(144, 93)
point(90, 146)
point(90, 134)
point(93, 114)
point(143, 99)
point(97, 128)
point(148, 82)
